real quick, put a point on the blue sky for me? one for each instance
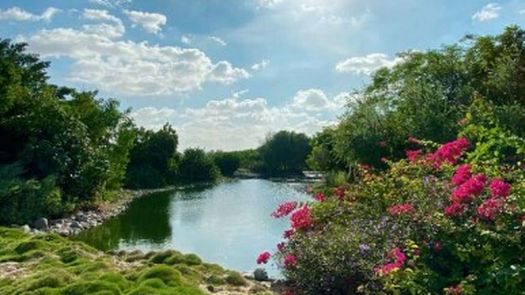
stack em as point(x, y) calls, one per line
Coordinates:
point(226, 73)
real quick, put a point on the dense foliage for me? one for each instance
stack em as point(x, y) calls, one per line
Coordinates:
point(197, 166)
point(227, 162)
point(58, 147)
point(420, 217)
point(285, 152)
point(153, 159)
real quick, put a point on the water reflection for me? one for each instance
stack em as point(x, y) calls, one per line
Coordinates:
point(227, 224)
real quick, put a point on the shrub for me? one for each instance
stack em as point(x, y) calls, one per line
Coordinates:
point(235, 279)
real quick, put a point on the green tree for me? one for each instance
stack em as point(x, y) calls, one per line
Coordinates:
point(196, 166)
point(285, 152)
point(227, 162)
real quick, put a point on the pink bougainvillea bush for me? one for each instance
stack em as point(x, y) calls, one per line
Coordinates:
point(449, 219)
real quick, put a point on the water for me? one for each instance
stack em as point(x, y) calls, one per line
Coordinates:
point(228, 224)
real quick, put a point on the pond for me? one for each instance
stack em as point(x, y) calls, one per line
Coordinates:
point(228, 224)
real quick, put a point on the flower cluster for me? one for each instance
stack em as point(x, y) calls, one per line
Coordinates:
point(320, 197)
point(490, 208)
point(284, 209)
point(340, 192)
point(400, 209)
point(288, 233)
point(466, 192)
point(399, 258)
point(449, 152)
point(455, 209)
point(462, 174)
point(301, 218)
point(290, 261)
point(499, 188)
point(413, 155)
point(263, 257)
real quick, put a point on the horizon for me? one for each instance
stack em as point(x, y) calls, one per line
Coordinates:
point(225, 74)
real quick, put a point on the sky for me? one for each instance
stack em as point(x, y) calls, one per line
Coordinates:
point(227, 73)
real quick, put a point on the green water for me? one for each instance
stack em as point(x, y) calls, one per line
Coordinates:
point(228, 224)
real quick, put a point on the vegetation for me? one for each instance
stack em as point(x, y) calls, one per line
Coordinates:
point(419, 217)
point(285, 153)
point(50, 264)
point(197, 166)
point(227, 162)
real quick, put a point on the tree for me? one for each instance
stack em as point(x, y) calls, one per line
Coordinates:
point(196, 166)
point(285, 152)
point(227, 162)
point(323, 156)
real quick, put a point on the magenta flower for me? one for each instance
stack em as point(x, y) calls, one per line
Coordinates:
point(413, 155)
point(284, 209)
point(449, 152)
point(399, 258)
point(491, 208)
point(455, 209)
point(288, 233)
point(263, 257)
point(400, 209)
point(301, 218)
point(320, 197)
point(469, 189)
point(462, 174)
point(281, 246)
point(499, 188)
point(290, 261)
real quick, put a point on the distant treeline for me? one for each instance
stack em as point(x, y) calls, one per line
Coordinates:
point(61, 148)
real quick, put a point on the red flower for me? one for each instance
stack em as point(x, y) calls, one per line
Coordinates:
point(290, 261)
point(469, 189)
point(301, 218)
point(400, 209)
point(281, 246)
point(340, 192)
point(320, 197)
point(284, 209)
point(449, 152)
point(263, 257)
point(412, 155)
point(399, 258)
point(455, 209)
point(491, 208)
point(455, 290)
point(499, 188)
point(288, 233)
point(462, 174)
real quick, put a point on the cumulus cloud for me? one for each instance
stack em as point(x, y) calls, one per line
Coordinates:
point(234, 123)
point(151, 22)
point(18, 14)
point(99, 14)
point(367, 64)
point(261, 65)
point(488, 12)
point(102, 59)
point(110, 3)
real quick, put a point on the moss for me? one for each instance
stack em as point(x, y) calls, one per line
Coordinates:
point(55, 279)
point(167, 274)
point(154, 283)
point(162, 256)
point(215, 280)
point(175, 258)
point(235, 279)
point(92, 287)
point(116, 279)
point(192, 259)
point(27, 246)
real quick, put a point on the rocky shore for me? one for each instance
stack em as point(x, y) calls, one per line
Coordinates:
point(84, 219)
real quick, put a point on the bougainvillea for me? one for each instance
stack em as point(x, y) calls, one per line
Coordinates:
point(490, 208)
point(263, 257)
point(301, 218)
point(320, 197)
point(413, 155)
point(284, 209)
point(290, 261)
point(462, 174)
point(469, 189)
point(449, 153)
point(400, 209)
point(398, 260)
point(499, 188)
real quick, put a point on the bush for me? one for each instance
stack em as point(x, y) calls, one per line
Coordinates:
point(442, 221)
point(235, 279)
point(196, 166)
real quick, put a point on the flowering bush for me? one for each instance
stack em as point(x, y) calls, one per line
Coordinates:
point(449, 220)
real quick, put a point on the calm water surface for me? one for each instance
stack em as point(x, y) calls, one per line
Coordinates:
point(228, 224)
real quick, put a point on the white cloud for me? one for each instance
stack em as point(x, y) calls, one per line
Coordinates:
point(99, 14)
point(18, 14)
point(366, 64)
point(488, 12)
point(218, 40)
point(100, 58)
point(151, 22)
point(267, 3)
point(110, 3)
point(261, 65)
point(234, 123)
point(186, 39)
point(225, 73)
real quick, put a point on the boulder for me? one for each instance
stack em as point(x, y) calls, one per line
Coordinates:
point(26, 228)
point(260, 275)
point(41, 224)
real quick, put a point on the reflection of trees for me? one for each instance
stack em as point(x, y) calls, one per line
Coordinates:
point(147, 218)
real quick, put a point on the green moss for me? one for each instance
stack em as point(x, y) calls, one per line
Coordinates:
point(215, 280)
point(27, 246)
point(92, 287)
point(192, 259)
point(175, 258)
point(167, 274)
point(154, 283)
point(235, 279)
point(116, 279)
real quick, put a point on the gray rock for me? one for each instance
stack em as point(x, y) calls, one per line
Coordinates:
point(26, 228)
point(260, 275)
point(76, 224)
point(41, 224)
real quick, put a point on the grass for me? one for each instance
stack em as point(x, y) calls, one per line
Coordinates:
point(51, 265)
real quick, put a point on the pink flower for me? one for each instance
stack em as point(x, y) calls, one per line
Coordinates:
point(413, 155)
point(263, 257)
point(384, 159)
point(462, 174)
point(469, 189)
point(301, 218)
point(400, 209)
point(455, 290)
point(281, 246)
point(490, 208)
point(284, 209)
point(449, 152)
point(455, 209)
point(499, 188)
point(288, 233)
point(412, 139)
point(399, 258)
point(290, 261)
point(320, 197)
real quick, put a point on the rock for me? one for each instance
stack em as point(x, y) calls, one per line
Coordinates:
point(260, 275)
point(26, 228)
point(41, 224)
point(210, 288)
point(76, 224)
